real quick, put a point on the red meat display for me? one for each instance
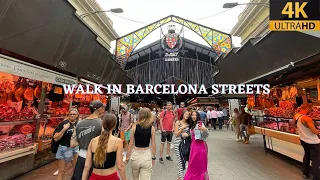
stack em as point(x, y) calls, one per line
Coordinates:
point(84, 110)
point(315, 114)
point(8, 113)
point(16, 141)
point(283, 126)
point(279, 112)
point(287, 105)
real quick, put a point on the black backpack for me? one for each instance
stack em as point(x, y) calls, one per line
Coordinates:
point(54, 144)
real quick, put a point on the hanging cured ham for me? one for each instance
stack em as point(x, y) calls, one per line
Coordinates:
point(285, 94)
point(293, 92)
point(28, 94)
point(18, 94)
point(250, 101)
point(318, 89)
point(37, 91)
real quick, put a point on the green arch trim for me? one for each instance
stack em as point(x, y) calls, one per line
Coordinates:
point(219, 41)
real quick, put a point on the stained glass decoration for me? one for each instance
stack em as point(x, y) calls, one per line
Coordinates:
point(219, 41)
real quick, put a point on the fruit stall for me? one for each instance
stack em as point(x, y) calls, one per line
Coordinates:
point(274, 112)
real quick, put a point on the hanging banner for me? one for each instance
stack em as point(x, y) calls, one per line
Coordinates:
point(115, 104)
point(23, 69)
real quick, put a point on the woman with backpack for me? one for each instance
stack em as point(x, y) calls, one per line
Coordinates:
point(198, 161)
point(181, 130)
point(62, 136)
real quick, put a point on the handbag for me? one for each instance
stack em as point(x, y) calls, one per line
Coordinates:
point(54, 144)
point(251, 130)
point(184, 148)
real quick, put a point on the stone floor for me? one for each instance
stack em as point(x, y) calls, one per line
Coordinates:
point(228, 160)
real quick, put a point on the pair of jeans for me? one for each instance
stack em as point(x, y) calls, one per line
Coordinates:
point(244, 131)
point(214, 123)
point(220, 119)
point(311, 152)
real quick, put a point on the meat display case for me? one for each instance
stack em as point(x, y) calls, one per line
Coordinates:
point(280, 135)
point(17, 139)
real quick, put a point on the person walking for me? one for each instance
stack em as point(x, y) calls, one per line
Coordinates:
point(115, 131)
point(236, 122)
point(209, 118)
point(85, 131)
point(214, 117)
point(180, 110)
point(225, 115)
point(245, 122)
point(65, 153)
point(167, 120)
point(309, 141)
point(181, 130)
point(125, 127)
point(140, 152)
point(154, 113)
point(198, 161)
point(220, 118)
point(105, 154)
point(203, 115)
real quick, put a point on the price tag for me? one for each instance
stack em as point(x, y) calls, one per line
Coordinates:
point(28, 136)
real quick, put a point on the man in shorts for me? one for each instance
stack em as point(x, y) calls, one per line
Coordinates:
point(125, 127)
point(167, 120)
point(85, 131)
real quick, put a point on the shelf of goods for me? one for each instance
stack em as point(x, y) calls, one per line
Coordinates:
point(281, 135)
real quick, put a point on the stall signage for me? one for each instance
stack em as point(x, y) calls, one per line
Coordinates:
point(23, 69)
point(207, 100)
point(171, 45)
point(115, 104)
point(64, 80)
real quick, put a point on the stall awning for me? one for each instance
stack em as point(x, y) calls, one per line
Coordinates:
point(24, 69)
point(49, 32)
point(271, 53)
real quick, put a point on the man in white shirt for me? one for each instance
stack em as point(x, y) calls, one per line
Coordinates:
point(214, 118)
point(209, 116)
point(220, 118)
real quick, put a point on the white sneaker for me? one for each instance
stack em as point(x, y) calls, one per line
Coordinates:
point(56, 173)
point(237, 140)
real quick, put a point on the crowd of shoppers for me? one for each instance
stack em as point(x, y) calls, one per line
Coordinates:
point(95, 151)
point(100, 146)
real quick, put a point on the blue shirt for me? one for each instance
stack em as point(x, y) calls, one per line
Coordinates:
point(203, 115)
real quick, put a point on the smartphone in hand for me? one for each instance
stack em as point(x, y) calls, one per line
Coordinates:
point(200, 123)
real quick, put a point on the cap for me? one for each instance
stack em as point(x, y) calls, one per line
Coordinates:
point(96, 104)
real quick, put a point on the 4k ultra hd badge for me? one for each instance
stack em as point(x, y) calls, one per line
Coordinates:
point(294, 15)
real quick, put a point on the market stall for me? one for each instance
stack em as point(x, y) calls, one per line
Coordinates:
point(274, 112)
point(23, 88)
point(55, 111)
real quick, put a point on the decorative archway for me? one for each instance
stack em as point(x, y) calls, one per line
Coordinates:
point(219, 41)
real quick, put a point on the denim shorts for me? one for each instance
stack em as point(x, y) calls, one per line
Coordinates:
point(66, 153)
